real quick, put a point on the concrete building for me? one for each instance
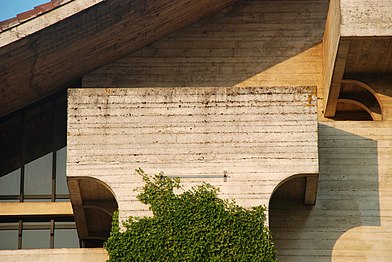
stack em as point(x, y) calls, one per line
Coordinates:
point(279, 103)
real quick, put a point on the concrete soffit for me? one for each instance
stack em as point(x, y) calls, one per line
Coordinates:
point(354, 36)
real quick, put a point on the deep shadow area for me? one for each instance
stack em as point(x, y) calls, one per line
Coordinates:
point(32, 132)
point(348, 197)
point(32, 151)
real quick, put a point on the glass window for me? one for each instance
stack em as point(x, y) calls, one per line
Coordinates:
point(30, 137)
point(35, 199)
point(10, 183)
point(33, 169)
point(8, 236)
point(38, 176)
point(61, 179)
point(65, 235)
point(36, 235)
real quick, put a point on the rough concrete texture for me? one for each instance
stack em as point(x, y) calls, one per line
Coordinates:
point(366, 17)
point(257, 137)
point(58, 255)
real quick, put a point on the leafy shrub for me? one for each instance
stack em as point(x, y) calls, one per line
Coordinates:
point(193, 226)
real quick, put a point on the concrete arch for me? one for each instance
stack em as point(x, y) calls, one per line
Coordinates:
point(311, 182)
point(104, 184)
point(289, 197)
point(102, 209)
point(365, 86)
point(93, 202)
point(373, 115)
point(358, 101)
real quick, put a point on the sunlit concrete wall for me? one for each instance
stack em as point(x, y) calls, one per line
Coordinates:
point(239, 85)
point(58, 255)
point(366, 17)
point(244, 140)
point(251, 43)
point(352, 218)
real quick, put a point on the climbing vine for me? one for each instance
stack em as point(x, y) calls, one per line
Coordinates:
point(195, 225)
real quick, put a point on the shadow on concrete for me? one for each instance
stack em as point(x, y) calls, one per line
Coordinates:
point(228, 48)
point(348, 197)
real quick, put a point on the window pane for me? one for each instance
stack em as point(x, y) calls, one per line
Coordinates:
point(63, 200)
point(36, 235)
point(61, 122)
point(10, 183)
point(8, 236)
point(38, 238)
point(65, 235)
point(38, 176)
point(66, 238)
point(48, 199)
point(11, 144)
point(61, 180)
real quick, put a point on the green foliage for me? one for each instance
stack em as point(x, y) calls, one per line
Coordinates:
point(193, 226)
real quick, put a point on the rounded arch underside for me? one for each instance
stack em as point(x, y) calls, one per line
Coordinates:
point(93, 202)
point(358, 101)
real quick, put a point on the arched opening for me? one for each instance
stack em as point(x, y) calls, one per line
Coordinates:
point(289, 206)
point(357, 101)
point(93, 203)
point(291, 190)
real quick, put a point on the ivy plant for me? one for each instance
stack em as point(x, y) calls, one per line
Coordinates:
point(195, 225)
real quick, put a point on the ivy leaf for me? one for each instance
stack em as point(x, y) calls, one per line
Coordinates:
point(193, 226)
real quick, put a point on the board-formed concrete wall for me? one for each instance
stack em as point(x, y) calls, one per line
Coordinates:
point(366, 18)
point(251, 43)
point(257, 137)
point(352, 219)
point(257, 44)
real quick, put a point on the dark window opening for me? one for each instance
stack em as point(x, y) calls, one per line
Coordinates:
point(33, 155)
point(32, 168)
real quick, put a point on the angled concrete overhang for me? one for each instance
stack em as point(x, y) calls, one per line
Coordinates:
point(357, 45)
point(53, 50)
